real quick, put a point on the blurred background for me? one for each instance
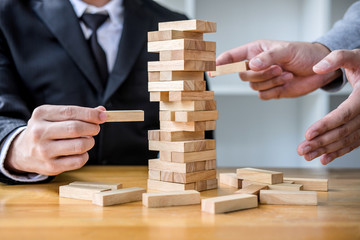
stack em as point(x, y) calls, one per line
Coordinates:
point(252, 132)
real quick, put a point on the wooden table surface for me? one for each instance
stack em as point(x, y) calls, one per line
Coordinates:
point(37, 212)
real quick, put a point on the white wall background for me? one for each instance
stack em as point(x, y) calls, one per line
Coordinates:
point(256, 133)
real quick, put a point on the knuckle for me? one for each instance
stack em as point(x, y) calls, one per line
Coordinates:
point(339, 55)
point(37, 133)
point(39, 111)
point(43, 151)
point(72, 128)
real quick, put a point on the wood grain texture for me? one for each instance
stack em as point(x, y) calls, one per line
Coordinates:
point(276, 197)
point(188, 126)
point(112, 186)
point(124, 116)
point(118, 196)
point(182, 44)
point(193, 156)
point(188, 106)
point(174, 136)
point(229, 203)
point(193, 25)
point(173, 34)
point(183, 146)
point(159, 96)
point(181, 65)
point(180, 75)
point(170, 199)
point(230, 179)
point(194, 176)
point(186, 85)
point(311, 184)
point(196, 116)
point(259, 175)
point(252, 189)
point(168, 186)
point(157, 164)
point(191, 96)
point(230, 68)
point(286, 187)
point(182, 54)
point(80, 192)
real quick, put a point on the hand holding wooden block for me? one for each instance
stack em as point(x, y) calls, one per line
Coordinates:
point(230, 68)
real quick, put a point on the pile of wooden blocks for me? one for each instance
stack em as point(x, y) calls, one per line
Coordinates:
point(187, 161)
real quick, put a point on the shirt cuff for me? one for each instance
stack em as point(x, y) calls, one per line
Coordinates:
point(26, 177)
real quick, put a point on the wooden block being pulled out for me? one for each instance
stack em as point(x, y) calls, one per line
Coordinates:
point(276, 197)
point(118, 196)
point(230, 179)
point(230, 68)
point(311, 184)
point(80, 192)
point(112, 186)
point(193, 25)
point(229, 203)
point(259, 175)
point(169, 199)
point(125, 116)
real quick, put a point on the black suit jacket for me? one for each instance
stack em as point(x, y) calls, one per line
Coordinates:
point(44, 59)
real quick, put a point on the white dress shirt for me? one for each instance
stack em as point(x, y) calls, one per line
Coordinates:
point(108, 34)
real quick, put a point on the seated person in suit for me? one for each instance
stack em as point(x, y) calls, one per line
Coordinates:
point(57, 78)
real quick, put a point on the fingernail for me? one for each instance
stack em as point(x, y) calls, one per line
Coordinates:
point(287, 76)
point(313, 135)
point(256, 62)
point(102, 116)
point(322, 65)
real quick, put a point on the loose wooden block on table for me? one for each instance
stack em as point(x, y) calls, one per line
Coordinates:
point(191, 96)
point(230, 68)
point(183, 146)
point(252, 189)
point(159, 96)
point(182, 157)
point(286, 187)
point(112, 186)
point(229, 203)
point(188, 126)
point(276, 197)
point(182, 54)
point(246, 183)
point(181, 65)
point(230, 179)
point(193, 25)
point(181, 44)
point(80, 192)
point(173, 136)
point(169, 186)
point(169, 199)
point(194, 176)
point(118, 196)
point(124, 116)
point(189, 106)
point(173, 34)
point(186, 85)
point(196, 116)
point(259, 175)
point(311, 184)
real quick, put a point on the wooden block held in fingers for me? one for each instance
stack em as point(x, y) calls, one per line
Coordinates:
point(182, 75)
point(169, 199)
point(182, 44)
point(189, 106)
point(311, 184)
point(196, 55)
point(193, 156)
point(194, 176)
point(169, 186)
point(118, 196)
point(183, 146)
point(124, 116)
point(80, 192)
point(252, 189)
point(230, 179)
point(154, 174)
point(186, 85)
point(286, 187)
point(181, 65)
point(191, 96)
point(173, 34)
point(276, 197)
point(229, 203)
point(259, 175)
point(188, 126)
point(159, 96)
point(230, 68)
point(193, 25)
point(174, 136)
point(196, 116)
point(112, 186)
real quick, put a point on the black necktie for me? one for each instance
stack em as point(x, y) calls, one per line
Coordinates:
point(94, 21)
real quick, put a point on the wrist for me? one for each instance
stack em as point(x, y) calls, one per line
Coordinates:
point(10, 162)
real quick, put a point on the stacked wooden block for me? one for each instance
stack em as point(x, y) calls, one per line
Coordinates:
point(187, 161)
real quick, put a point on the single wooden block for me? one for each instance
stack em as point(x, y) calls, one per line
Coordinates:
point(124, 116)
point(112, 186)
point(311, 184)
point(287, 181)
point(153, 76)
point(230, 179)
point(246, 183)
point(252, 189)
point(188, 126)
point(118, 196)
point(210, 164)
point(159, 96)
point(181, 65)
point(230, 68)
point(166, 176)
point(196, 55)
point(165, 156)
point(186, 85)
point(183, 146)
point(169, 186)
point(229, 203)
point(182, 44)
point(174, 136)
point(193, 156)
point(211, 184)
point(193, 25)
point(286, 187)
point(169, 199)
point(80, 192)
point(183, 75)
point(154, 174)
point(259, 175)
point(194, 177)
point(191, 96)
point(196, 116)
point(157, 164)
point(276, 197)
point(188, 106)
point(173, 34)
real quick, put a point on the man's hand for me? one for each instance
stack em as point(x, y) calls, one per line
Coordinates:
point(57, 139)
point(338, 132)
point(280, 69)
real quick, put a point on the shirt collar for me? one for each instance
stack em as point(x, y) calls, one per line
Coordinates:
point(114, 8)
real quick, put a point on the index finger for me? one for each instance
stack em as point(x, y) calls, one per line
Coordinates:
point(55, 113)
point(239, 54)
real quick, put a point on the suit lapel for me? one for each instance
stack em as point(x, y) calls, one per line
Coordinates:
point(136, 25)
point(60, 18)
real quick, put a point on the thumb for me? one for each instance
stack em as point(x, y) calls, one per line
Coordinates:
point(275, 56)
point(338, 59)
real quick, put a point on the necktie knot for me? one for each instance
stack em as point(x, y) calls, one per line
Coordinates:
point(94, 21)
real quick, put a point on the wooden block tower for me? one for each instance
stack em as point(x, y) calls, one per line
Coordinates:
point(187, 160)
